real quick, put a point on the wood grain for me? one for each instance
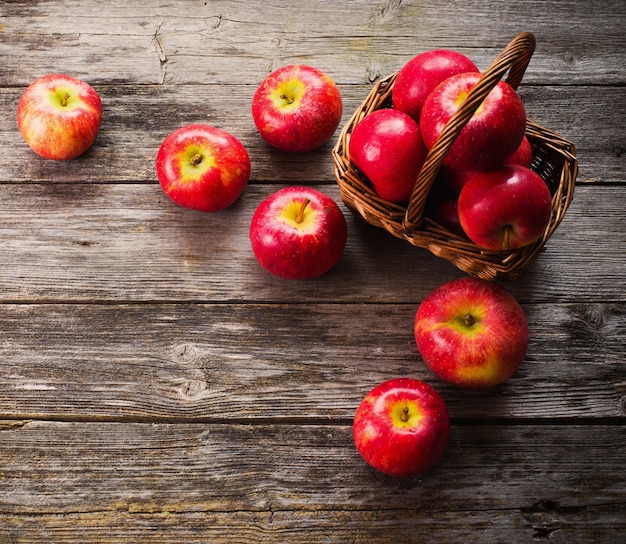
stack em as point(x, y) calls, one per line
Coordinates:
point(116, 242)
point(223, 42)
point(138, 118)
point(243, 362)
point(111, 477)
point(156, 385)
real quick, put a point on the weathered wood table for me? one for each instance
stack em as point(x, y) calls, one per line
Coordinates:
point(156, 385)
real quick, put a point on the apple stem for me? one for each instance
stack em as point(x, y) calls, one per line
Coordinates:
point(300, 216)
point(65, 99)
point(196, 159)
point(404, 416)
point(506, 239)
point(469, 320)
point(286, 98)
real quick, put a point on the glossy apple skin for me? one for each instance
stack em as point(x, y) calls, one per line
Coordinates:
point(59, 116)
point(293, 248)
point(523, 155)
point(452, 180)
point(471, 333)
point(392, 445)
point(420, 75)
point(213, 183)
point(505, 208)
point(387, 148)
point(297, 108)
point(492, 134)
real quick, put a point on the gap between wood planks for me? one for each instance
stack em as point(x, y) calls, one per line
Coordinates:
point(8, 422)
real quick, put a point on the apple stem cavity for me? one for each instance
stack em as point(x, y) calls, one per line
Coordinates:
point(404, 416)
point(65, 99)
point(287, 98)
point(196, 159)
point(300, 215)
point(469, 320)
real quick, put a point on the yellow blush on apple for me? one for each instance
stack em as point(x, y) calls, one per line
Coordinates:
point(202, 167)
point(401, 427)
point(471, 333)
point(297, 108)
point(59, 116)
point(298, 233)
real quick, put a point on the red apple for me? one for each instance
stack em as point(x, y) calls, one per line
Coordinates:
point(59, 116)
point(494, 132)
point(202, 167)
point(471, 333)
point(505, 208)
point(452, 180)
point(297, 108)
point(401, 427)
point(420, 75)
point(523, 155)
point(387, 148)
point(298, 233)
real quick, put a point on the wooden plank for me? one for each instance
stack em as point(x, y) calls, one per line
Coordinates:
point(137, 119)
point(118, 242)
point(600, 525)
point(139, 42)
point(528, 481)
point(292, 362)
point(157, 385)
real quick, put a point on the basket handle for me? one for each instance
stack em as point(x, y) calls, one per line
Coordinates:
point(514, 58)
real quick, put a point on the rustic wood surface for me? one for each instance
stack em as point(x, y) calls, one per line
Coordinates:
point(156, 385)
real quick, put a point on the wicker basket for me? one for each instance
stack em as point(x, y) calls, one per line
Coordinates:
point(554, 159)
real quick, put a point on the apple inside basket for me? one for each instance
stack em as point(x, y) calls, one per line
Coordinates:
point(554, 159)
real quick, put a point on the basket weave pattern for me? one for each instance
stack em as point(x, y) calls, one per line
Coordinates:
point(554, 159)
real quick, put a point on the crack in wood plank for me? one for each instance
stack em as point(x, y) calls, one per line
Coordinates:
point(163, 58)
